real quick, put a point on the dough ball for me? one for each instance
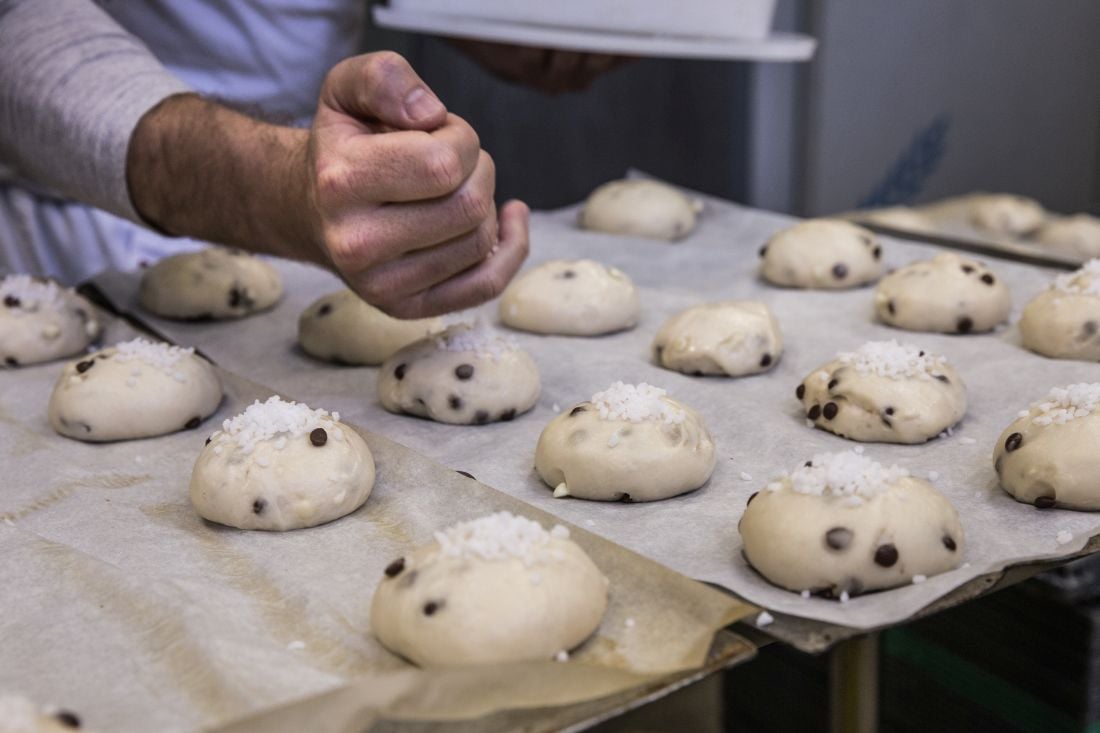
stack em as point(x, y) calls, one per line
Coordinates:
point(732, 337)
point(135, 389)
point(844, 524)
point(281, 465)
point(639, 208)
point(1049, 455)
point(19, 714)
point(42, 321)
point(885, 392)
point(570, 298)
point(489, 591)
point(902, 218)
point(343, 328)
point(464, 375)
point(1006, 214)
point(628, 443)
point(1077, 235)
point(948, 294)
point(1063, 322)
point(212, 283)
point(822, 253)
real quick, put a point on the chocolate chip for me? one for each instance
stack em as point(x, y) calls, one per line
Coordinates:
point(577, 410)
point(464, 371)
point(887, 423)
point(840, 271)
point(83, 366)
point(508, 415)
point(751, 498)
point(318, 437)
point(208, 441)
point(838, 538)
point(949, 543)
point(765, 360)
point(814, 413)
point(987, 279)
point(258, 506)
point(1013, 441)
point(832, 384)
point(467, 475)
point(920, 353)
point(1044, 502)
point(67, 718)
point(889, 410)
point(399, 371)
point(964, 325)
point(967, 269)
point(394, 568)
point(480, 417)
point(800, 391)
point(192, 423)
point(877, 253)
point(625, 498)
point(891, 307)
point(830, 410)
point(943, 378)
point(1088, 329)
point(808, 464)
point(12, 302)
point(236, 297)
point(455, 402)
point(432, 606)
point(568, 275)
point(763, 250)
point(886, 555)
point(325, 309)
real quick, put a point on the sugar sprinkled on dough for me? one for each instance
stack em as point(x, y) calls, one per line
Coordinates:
point(31, 293)
point(478, 337)
point(846, 474)
point(635, 403)
point(892, 359)
point(265, 420)
point(1065, 537)
point(500, 536)
point(1063, 404)
point(1085, 281)
point(154, 353)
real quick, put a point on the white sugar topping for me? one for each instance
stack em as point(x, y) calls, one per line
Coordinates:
point(29, 292)
point(154, 353)
point(848, 474)
point(764, 618)
point(892, 359)
point(17, 714)
point(1085, 281)
point(1063, 404)
point(265, 420)
point(635, 403)
point(479, 338)
point(500, 536)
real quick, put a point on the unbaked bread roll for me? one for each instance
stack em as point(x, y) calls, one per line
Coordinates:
point(948, 294)
point(1077, 235)
point(490, 591)
point(731, 337)
point(343, 328)
point(212, 283)
point(902, 218)
point(628, 443)
point(884, 392)
point(42, 321)
point(822, 253)
point(640, 208)
point(1063, 321)
point(281, 465)
point(571, 298)
point(1050, 455)
point(135, 389)
point(842, 524)
point(1006, 214)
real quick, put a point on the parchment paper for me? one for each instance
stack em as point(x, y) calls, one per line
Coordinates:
point(756, 421)
point(121, 603)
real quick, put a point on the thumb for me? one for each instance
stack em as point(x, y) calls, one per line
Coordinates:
point(382, 86)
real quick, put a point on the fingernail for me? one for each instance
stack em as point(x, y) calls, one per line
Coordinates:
point(420, 105)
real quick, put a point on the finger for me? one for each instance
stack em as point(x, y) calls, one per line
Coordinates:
point(400, 166)
point(420, 270)
point(482, 282)
point(382, 86)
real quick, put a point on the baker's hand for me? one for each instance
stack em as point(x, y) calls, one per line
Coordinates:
point(403, 194)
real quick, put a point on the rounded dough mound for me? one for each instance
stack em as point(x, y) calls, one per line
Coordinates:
point(902, 218)
point(493, 590)
point(885, 392)
point(948, 294)
point(1048, 456)
point(1005, 213)
point(822, 253)
point(732, 337)
point(1063, 321)
point(843, 523)
point(280, 465)
point(464, 375)
point(343, 328)
point(639, 208)
point(571, 298)
point(212, 283)
point(41, 321)
point(628, 443)
point(1077, 235)
point(135, 389)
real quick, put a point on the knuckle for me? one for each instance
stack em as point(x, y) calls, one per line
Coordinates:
point(373, 290)
point(473, 204)
point(344, 248)
point(333, 178)
point(444, 168)
point(383, 63)
point(484, 241)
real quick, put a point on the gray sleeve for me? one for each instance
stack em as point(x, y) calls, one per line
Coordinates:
point(73, 85)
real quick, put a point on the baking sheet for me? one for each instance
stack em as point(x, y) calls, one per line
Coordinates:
point(756, 421)
point(120, 603)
